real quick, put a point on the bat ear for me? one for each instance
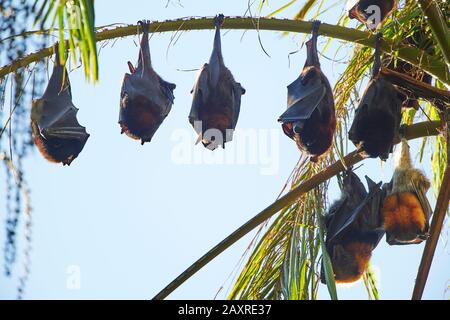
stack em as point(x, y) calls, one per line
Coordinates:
point(131, 67)
point(243, 91)
point(371, 184)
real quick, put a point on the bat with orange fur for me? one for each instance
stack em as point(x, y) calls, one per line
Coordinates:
point(216, 102)
point(406, 210)
point(54, 125)
point(145, 99)
point(353, 228)
point(310, 118)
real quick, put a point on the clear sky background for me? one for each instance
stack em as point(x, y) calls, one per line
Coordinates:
point(129, 218)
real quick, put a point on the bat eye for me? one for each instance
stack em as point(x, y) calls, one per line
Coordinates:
point(297, 129)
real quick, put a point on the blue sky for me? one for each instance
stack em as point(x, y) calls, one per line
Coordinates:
point(128, 218)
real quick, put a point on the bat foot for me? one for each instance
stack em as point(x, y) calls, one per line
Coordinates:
point(131, 67)
point(143, 23)
point(315, 27)
point(297, 128)
point(218, 20)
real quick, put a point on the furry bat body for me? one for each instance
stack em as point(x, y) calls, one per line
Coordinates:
point(354, 228)
point(406, 210)
point(145, 99)
point(377, 119)
point(366, 11)
point(216, 99)
point(310, 119)
point(55, 129)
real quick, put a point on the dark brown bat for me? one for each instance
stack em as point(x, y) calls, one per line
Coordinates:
point(353, 228)
point(310, 118)
point(55, 129)
point(216, 98)
point(377, 119)
point(145, 99)
point(366, 12)
point(406, 210)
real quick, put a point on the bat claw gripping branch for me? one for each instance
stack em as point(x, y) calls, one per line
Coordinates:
point(315, 28)
point(218, 20)
point(143, 24)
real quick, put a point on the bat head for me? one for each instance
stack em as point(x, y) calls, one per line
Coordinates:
point(405, 237)
point(350, 261)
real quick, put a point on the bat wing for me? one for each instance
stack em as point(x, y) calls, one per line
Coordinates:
point(303, 98)
point(366, 214)
point(61, 123)
point(375, 199)
point(368, 98)
point(200, 93)
point(379, 111)
point(343, 219)
point(341, 213)
point(167, 89)
point(58, 114)
point(237, 92)
point(337, 217)
point(371, 221)
point(423, 200)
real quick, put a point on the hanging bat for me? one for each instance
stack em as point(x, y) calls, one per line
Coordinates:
point(406, 210)
point(216, 98)
point(370, 12)
point(145, 99)
point(310, 118)
point(377, 119)
point(54, 125)
point(353, 228)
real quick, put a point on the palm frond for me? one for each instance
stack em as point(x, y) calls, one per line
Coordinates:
point(78, 18)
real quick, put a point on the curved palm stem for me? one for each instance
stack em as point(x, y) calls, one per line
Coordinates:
point(412, 55)
point(438, 26)
point(436, 224)
point(409, 132)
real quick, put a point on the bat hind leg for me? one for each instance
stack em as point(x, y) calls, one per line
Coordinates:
point(144, 140)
